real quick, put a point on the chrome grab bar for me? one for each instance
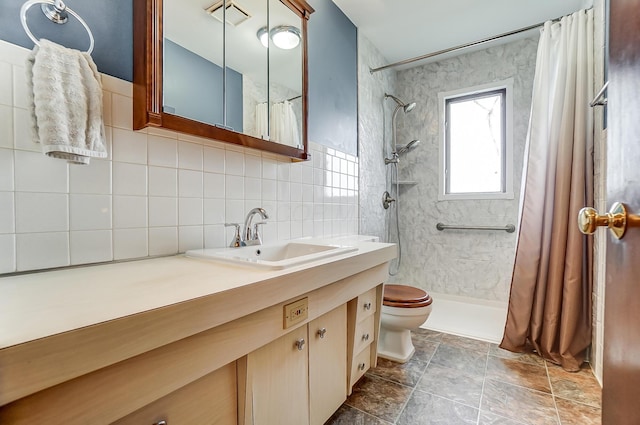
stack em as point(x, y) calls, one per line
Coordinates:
point(509, 228)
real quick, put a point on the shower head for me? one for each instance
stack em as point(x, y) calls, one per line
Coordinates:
point(405, 106)
point(401, 150)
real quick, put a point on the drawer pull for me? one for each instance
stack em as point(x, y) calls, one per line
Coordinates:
point(160, 423)
point(321, 332)
point(365, 337)
point(300, 344)
point(361, 366)
point(367, 306)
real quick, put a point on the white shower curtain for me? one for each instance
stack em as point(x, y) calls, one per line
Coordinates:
point(550, 300)
point(284, 124)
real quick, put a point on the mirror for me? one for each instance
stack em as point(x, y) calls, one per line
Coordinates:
point(200, 77)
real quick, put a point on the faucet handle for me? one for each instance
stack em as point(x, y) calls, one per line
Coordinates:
point(237, 240)
point(256, 233)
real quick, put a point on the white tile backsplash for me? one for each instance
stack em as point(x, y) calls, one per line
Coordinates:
point(7, 253)
point(93, 246)
point(6, 86)
point(94, 178)
point(122, 111)
point(234, 163)
point(162, 151)
point(7, 212)
point(163, 240)
point(41, 212)
point(22, 133)
point(163, 211)
point(190, 237)
point(35, 172)
point(130, 243)
point(163, 181)
point(6, 169)
point(190, 211)
point(190, 184)
point(6, 126)
point(129, 146)
point(213, 160)
point(42, 250)
point(129, 212)
point(89, 212)
point(190, 156)
point(19, 87)
point(157, 193)
point(129, 179)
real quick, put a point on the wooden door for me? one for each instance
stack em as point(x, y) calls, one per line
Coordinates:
point(621, 373)
point(327, 364)
point(277, 382)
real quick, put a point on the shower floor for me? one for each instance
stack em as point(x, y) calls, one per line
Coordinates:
point(467, 317)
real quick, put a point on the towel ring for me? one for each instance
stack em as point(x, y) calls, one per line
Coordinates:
point(59, 6)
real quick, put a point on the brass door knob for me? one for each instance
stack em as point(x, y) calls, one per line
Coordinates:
point(616, 220)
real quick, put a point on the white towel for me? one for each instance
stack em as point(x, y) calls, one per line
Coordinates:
point(65, 98)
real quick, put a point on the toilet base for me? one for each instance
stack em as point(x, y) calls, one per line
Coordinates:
point(395, 345)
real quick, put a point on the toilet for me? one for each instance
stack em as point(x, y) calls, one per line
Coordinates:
point(403, 308)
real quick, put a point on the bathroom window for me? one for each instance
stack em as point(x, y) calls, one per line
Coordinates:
point(475, 156)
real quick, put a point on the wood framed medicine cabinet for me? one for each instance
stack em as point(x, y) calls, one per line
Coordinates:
point(149, 109)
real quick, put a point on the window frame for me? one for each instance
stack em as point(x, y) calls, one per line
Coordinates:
point(507, 155)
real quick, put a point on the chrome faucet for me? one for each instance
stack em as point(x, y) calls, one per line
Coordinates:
point(252, 237)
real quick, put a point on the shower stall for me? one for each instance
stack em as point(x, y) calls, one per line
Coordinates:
point(393, 155)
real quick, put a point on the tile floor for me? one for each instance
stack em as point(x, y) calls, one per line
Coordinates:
point(453, 380)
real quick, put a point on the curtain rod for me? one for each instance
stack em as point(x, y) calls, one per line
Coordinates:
point(460, 47)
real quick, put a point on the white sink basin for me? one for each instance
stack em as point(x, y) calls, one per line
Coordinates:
point(272, 256)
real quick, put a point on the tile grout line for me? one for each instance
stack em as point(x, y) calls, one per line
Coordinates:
point(553, 396)
point(484, 380)
point(413, 390)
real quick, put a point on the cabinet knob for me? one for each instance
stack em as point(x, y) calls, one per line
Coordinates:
point(365, 337)
point(367, 306)
point(321, 332)
point(300, 344)
point(361, 366)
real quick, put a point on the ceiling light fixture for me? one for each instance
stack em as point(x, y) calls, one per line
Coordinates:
point(285, 37)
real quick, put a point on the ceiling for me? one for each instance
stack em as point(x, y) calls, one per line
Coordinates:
point(403, 29)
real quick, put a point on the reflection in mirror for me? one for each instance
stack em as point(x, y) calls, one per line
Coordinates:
point(285, 75)
point(193, 60)
point(262, 94)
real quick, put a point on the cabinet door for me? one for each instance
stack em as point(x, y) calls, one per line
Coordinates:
point(277, 382)
point(209, 400)
point(327, 364)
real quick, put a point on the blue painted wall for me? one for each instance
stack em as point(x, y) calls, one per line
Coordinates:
point(193, 88)
point(111, 22)
point(333, 78)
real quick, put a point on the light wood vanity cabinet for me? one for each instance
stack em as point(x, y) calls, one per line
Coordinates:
point(327, 364)
point(209, 400)
point(364, 324)
point(249, 370)
point(300, 378)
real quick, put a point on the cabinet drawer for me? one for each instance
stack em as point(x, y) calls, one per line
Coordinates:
point(361, 363)
point(364, 334)
point(209, 400)
point(366, 304)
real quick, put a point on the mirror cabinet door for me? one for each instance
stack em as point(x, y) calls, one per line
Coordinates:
point(196, 75)
point(285, 75)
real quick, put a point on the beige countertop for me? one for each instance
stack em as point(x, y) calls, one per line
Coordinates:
point(40, 305)
point(62, 324)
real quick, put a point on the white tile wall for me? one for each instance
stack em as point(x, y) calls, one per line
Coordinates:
point(158, 193)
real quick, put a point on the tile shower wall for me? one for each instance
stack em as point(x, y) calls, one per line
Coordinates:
point(158, 192)
point(464, 263)
point(374, 127)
